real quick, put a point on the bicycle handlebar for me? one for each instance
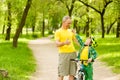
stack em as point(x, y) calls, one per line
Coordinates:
point(76, 60)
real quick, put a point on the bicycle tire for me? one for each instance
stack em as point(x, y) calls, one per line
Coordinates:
point(75, 78)
point(80, 77)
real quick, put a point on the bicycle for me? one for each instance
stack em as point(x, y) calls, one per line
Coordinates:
point(80, 71)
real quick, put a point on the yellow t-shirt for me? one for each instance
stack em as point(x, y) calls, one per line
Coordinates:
point(84, 53)
point(62, 35)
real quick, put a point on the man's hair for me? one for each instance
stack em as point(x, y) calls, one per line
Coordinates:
point(65, 18)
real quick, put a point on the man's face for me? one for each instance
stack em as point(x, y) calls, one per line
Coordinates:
point(67, 23)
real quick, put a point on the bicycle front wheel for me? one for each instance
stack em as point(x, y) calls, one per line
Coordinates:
point(80, 77)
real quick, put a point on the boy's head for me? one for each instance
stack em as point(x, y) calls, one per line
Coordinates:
point(91, 41)
point(88, 41)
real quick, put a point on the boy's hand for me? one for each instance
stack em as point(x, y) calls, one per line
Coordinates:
point(74, 31)
point(89, 60)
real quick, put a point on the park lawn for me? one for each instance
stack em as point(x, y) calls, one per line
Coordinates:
point(19, 62)
point(109, 51)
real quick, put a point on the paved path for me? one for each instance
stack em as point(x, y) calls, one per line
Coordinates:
point(46, 55)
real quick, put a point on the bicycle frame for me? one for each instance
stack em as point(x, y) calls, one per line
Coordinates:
point(80, 71)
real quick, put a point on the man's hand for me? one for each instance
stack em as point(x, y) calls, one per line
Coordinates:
point(67, 42)
point(59, 44)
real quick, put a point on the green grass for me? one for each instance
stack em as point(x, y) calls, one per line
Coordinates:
point(19, 62)
point(109, 52)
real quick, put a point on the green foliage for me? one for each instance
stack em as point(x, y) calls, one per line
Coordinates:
point(117, 6)
point(30, 36)
point(19, 62)
point(53, 10)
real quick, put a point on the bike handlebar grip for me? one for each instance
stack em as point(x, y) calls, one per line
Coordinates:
point(72, 59)
point(75, 60)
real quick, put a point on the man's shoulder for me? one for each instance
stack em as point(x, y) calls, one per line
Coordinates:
point(58, 30)
point(70, 30)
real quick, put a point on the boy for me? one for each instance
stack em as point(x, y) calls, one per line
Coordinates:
point(87, 52)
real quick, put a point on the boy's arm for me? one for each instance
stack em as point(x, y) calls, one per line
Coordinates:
point(79, 39)
point(80, 42)
point(94, 53)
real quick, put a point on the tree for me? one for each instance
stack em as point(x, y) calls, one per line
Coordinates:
point(117, 9)
point(21, 24)
point(69, 5)
point(3, 30)
point(110, 26)
point(56, 14)
point(42, 7)
point(101, 12)
point(118, 27)
point(87, 27)
point(9, 21)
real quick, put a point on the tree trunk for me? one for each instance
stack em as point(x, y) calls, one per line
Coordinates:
point(87, 28)
point(43, 27)
point(9, 22)
point(109, 28)
point(75, 24)
point(102, 25)
point(22, 23)
point(8, 33)
point(87, 23)
point(76, 27)
point(69, 13)
point(3, 30)
point(70, 9)
point(101, 13)
point(33, 29)
point(118, 28)
point(84, 29)
point(33, 25)
point(26, 29)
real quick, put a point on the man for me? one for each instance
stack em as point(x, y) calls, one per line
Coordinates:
point(64, 38)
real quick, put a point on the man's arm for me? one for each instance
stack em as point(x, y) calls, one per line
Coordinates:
point(59, 44)
point(76, 41)
point(74, 37)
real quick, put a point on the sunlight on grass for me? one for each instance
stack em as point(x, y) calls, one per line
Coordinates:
point(112, 59)
point(19, 62)
point(110, 55)
point(109, 52)
point(110, 43)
